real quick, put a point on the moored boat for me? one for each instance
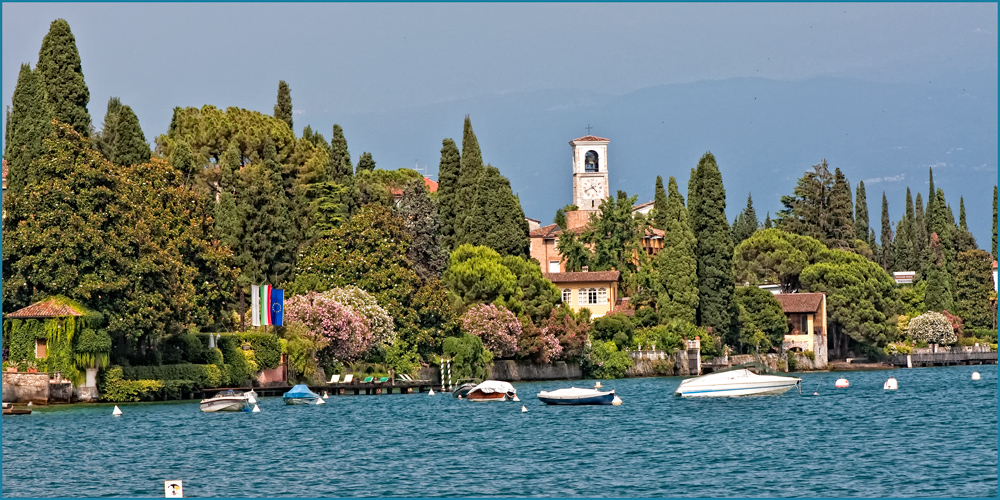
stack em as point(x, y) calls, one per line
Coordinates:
point(463, 390)
point(229, 400)
point(577, 396)
point(492, 390)
point(740, 382)
point(300, 395)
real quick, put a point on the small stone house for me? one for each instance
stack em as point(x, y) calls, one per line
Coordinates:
point(597, 291)
point(806, 314)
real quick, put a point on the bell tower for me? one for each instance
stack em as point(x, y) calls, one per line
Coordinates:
point(590, 172)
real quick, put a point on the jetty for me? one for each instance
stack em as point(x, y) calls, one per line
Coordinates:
point(353, 388)
point(944, 358)
point(10, 409)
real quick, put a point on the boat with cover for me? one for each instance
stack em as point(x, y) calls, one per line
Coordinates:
point(463, 390)
point(300, 395)
point(737, 381)
point(492, 390)
point(577, 396)
point(228, 400)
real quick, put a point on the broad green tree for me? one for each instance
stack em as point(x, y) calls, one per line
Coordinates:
point(62, 77)
point(773, 256)
point(763, 324)
point(365, 163)
point(807, 210)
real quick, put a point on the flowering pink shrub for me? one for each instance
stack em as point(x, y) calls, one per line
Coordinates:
point(497, 327)
point(340, 334)
point(538, 344)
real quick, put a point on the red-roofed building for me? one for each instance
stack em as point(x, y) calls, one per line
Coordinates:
point(806, 314)
point(397, 193)
point(596, 291)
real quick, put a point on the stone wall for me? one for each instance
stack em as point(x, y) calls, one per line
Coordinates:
point(60, 392)
point(510, 371)
point(25, 387)
point(774, 361)
point(660, 364)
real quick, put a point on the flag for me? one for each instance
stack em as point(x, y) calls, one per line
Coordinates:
point(255, 304)
point(265, 304)
point(277, 307)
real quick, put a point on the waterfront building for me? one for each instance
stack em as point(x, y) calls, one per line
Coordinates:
point(596, 291)
point(806, 314)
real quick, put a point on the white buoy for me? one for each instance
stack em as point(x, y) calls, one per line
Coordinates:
point(326, 395)
point(29, 404)
point(431, 393)
point(617, 401)
point(975, 376)
point(842, 383)
point(117, 411)
point(256, 409)
point(516, 398)
point(251, 399)
point(891, 384)
point(320, 401)
point(524, 409)
point(598, 385)
point(459, 396)
point(815, 394)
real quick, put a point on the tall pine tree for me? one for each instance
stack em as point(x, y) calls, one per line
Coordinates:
point(841, 230)
point(420, 218)
point(746, 223)
point(887, 255)
point(28, 123)
point(964, 240)
point(105, 140)
point(468, 181)
point(861, 214)
point(659, 220)
point(676, 265)
point(994, 222)
point(495, 218)
point(62, 77)
point(366, 163)
point(340, 158)
point(807, 210)
point(919, 236)
point(714, 251)
point(283, 109)
point(447, 193)
point(130, 147)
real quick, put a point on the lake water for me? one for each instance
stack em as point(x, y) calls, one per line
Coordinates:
point(934, 437)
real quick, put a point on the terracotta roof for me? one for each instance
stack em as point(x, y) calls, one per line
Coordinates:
point(642, 205)
point(432, 186)
point(994, 262)
point(45, 309)
point(799, 302)
point(553, 231)
point(5, 169)
point(589, 138)
point(582, 277)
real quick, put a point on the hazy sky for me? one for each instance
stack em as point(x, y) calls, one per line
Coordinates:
point(343, 58)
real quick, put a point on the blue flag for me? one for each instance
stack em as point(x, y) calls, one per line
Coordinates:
point(277, 306)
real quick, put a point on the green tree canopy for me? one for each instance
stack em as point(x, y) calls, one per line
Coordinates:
point(495, 217)
point(62, 77)
point(659, 205)
point(776, 256)
point(130, 147)
point(447, 193)
point(763, 324)
point(973, 285)
point(29, 122)
point(283, 109)
point(676, 265)
point(420, 216)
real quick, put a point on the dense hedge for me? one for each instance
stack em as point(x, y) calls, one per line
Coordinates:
point(114, 388)
point(201, 376)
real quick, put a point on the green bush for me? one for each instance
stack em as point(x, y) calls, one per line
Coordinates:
point(183, 348)
point(266, 349)
point(213, 356)
point(202, 376)
point(793, 361)
point(663, 337)
point(177, 389)
point(984, 335)
point(469, 358)
point(238, 368)
point(115, 389)
point(605, 361)
point(93, 348)
point(811, 355)
point(615, 327)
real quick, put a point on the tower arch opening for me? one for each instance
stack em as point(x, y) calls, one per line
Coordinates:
point(591, 162)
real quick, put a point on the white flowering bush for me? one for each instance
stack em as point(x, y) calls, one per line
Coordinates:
point(931, 327)
point(361, 302)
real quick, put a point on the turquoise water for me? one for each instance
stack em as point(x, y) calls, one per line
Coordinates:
point(934, 437)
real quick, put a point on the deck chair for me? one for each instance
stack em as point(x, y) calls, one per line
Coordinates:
point(383, 380)
point(367, 380)
point(334, 379)
point(348, 378)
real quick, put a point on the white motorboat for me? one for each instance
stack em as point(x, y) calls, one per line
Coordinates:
point(740, 382)
point(226, 401)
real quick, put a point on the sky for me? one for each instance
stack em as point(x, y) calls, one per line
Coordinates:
point(347, 59)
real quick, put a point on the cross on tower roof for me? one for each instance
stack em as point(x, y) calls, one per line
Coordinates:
point(588, 129)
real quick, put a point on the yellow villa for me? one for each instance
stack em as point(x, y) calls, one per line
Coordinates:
point(596, 291)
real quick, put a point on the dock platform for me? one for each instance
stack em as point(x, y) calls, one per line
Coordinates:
point(355, 388)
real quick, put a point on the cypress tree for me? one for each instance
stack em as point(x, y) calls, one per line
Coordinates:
point(939, 284)
point(366, 163)
point(130, 147)
point(746, 223)
point(495, 217)
point(659, 205)
point(447, 193)
point(692, 199)
point(887, 256)
point(943, 228)
point(902, 246)
point(767, 221)
point(714, 251)
point(919, 237)
point(994, 222)
point(28, 123)
point(931, 200)
point(468, 181)
point(841, 229)
point(420, 218)
point(340, 157)
point(283, 109)
point(62, 77)
point(105, 140)
point(861, 214)
point(964, 240)
point(676, 265)
point(974, 285)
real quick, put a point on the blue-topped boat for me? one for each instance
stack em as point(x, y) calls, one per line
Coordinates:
point(300, 395)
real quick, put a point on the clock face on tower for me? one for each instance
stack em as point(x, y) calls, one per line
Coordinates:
point(593, 188)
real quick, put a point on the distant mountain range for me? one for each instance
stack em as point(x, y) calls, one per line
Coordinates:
point(764, 134)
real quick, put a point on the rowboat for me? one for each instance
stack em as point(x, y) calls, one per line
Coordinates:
point(577, 396)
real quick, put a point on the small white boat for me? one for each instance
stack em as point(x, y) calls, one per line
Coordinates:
point(577, 396)
point(226, 401)
point(492, 390)
point(301, 395)
point(740, 382)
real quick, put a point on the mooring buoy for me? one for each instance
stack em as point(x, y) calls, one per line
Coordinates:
point(116, 412)
point(524, 409)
